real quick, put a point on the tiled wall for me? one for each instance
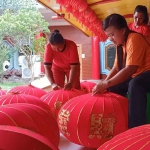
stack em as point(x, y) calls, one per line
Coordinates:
point(78, 37)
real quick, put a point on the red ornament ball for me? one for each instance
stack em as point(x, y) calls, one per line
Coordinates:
point(93, 120)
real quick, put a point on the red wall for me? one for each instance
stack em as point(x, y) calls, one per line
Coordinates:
point(78, 37)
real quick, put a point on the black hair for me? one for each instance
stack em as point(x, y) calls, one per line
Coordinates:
point(115, 20)
point(56, 38)
point(142, 9)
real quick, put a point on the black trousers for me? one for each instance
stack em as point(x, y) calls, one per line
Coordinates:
point(137, 89)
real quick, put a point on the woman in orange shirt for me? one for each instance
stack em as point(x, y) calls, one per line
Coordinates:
point(141, 20)
point(131, 70)
point(61, 60)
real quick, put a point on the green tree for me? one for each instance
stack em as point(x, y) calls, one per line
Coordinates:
point(20, 28)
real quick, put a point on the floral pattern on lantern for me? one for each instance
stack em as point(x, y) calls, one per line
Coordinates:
point(137, 138)
point(29, 90)
point(56, 99)
point(93, 120)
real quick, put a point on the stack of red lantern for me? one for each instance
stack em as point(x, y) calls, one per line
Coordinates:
point(86, 16)
point(28, 119)
point(32, 118)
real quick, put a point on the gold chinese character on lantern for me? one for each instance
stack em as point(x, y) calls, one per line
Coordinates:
point(102, 127)
point(64, 117)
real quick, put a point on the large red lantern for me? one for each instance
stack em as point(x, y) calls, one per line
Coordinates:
point(92, 120)
point(15, 97)
point(30, 117)
point(137, 138)
point(2, 92)
point(15, 138)
point(55, 99)
point(87, 86)
point(29, 90)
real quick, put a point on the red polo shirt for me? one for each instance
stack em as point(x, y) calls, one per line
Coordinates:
point(62, 59)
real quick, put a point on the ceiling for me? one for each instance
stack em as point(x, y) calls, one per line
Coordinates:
point(80, 10)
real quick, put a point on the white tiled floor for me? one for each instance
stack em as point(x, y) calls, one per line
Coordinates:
point(67, 145)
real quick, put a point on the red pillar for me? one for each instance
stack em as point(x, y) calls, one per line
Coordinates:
point(95, 58)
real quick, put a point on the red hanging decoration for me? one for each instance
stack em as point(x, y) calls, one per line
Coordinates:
point(2, 92)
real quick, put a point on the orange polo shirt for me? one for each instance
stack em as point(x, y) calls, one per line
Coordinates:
point(62, 59)
point(143, 29)
point(137, 52)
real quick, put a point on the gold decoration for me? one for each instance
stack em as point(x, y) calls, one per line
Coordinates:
point(102, 127)
point(64, 118)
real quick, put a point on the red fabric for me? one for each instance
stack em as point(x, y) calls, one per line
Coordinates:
point(56, 99)
point(29, 90)
point(87, 86)
point(30, 117)
point(143, 29)
point(59, 77)
point(12, 98)
point(134, 139)
point(16, 138)
point(2, 92)
point(92, 120)
point(62, 59)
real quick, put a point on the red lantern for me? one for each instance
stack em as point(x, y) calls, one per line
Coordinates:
point(12, 98)
point(15, 138)
point(2, 92)
point(55, 99)
point(29, 90)
point(92, 120)
point(87, 86)
point(30, 117)
point(82, 6)
point(87, 13)
point(137, 138)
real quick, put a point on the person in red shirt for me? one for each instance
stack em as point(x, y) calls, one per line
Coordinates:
point(61, 62)
point(141, 20)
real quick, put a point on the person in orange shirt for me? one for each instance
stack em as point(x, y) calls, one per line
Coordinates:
point(131, 70)
point(61, 61)
point(141, 20)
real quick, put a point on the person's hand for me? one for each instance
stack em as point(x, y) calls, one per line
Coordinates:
point(99, 88)
point(68, 86)
point(55, 86)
